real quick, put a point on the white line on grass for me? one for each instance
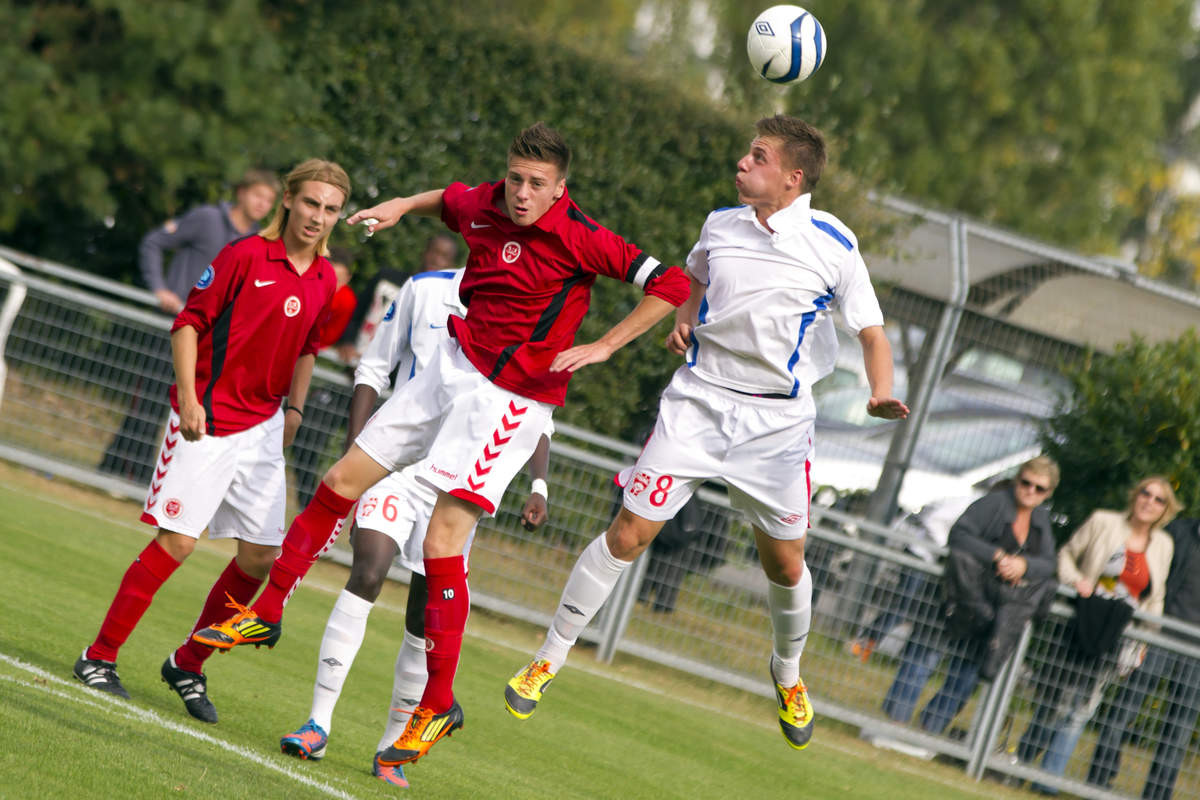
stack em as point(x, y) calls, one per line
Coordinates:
point(89, 697)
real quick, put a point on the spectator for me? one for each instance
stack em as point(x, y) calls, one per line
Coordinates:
point(1179, 675)
point(999, 571)
point(196, 238)
point(1119, 557)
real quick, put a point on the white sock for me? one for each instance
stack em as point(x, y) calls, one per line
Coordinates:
point(343, 636)
point(791, 617)
point(591, 582)
point(407, 688)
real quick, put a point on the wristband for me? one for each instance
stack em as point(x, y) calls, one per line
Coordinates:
point(293, 408)
point(538, 486)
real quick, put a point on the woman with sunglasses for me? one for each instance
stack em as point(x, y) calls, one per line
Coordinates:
point(1122, 555)
point(1002, 549)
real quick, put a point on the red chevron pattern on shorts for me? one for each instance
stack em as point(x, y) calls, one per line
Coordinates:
point(483, 465)
point(164, 459)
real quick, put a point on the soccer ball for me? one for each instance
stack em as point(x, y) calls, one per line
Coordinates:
point(786, 44)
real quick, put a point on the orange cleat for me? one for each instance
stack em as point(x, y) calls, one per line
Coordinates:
point(245, 627)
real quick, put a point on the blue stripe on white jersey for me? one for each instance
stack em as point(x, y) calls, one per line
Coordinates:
point(834, 232)
point(806, 319)
point(447, 274)
point(701, 315)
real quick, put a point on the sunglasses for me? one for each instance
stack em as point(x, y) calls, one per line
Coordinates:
point(1037, 487)
point(1162, 501)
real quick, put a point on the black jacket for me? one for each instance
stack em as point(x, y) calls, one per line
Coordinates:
point(978, 603)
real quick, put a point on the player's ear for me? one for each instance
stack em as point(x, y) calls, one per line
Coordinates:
point(287, 200)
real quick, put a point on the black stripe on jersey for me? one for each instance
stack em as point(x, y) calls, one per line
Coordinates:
point(655, 274)
point(550, 313)
point(577, 215)
point(220, 346)
point(634, 266)
point(503, 358)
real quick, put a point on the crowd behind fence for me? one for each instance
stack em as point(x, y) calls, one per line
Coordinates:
point(83, 357)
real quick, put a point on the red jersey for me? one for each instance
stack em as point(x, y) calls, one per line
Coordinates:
point(255, 315)
point(527, 288)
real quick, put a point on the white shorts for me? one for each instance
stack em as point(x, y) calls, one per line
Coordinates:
point(758, 446)
point(470, 436)
point(234, 485)
point(399, 507)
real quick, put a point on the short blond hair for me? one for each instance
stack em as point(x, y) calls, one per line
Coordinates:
point(1045, 466)
point(314, 169)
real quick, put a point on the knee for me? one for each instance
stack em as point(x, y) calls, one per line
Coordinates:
point(176, 545)
point(256, 560)
point(367, 577)
point(629, 535)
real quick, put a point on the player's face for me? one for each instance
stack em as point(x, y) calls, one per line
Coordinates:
point(315, 209)
point(763, 178)
point(439, 254)
point(530, 188)
point(256, 200)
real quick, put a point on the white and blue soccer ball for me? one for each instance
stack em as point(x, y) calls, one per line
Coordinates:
point(786, 44)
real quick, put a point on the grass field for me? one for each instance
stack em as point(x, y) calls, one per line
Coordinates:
point(629, 730)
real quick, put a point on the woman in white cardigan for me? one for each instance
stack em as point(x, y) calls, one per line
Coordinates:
point(1124, 555)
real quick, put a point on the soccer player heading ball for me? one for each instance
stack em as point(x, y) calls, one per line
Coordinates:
point(474, 415)
point(763, 275)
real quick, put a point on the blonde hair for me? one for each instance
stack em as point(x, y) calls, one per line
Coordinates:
point(314, 169)
point(1042, 465)
point(1172, 507)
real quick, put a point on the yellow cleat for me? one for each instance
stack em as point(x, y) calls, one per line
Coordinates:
point(795, 713)
point(525, 689)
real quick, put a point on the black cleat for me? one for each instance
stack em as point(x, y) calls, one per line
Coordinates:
point(192, 688)
point(100, 675)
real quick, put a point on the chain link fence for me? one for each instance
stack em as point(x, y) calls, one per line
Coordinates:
point(978, 348)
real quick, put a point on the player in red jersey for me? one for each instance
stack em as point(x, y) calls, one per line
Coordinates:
point(246, 338)
point(473, 416)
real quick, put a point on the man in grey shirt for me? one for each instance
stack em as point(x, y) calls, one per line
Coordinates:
point(196, 238)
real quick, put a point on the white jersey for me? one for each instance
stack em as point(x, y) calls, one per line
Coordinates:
point(764, 322)
point(412, 329)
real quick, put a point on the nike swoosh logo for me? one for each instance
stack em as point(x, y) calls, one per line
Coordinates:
point(436, 327)
point(477, 227)
point(261, 284)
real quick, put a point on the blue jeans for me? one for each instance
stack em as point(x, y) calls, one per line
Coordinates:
point(918, 661)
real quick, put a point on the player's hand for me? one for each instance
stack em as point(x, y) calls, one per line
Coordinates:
point(886, 408)
point(168, 301)
point(534, 514)
point(192, 420)
point(291, 424)
point(679, 339)
point(573, 358)
point(385, 214)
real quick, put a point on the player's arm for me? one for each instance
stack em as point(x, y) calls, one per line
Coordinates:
point(643, 317)
point(184, 345)
point(534, 514)
point(388, 213)
point(686, 316)
point(297, 395)
point(877, 359)
point(387, 347)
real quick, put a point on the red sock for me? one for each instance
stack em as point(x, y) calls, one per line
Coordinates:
point(191, 655)
point(313, 531)
point(446, 611)
point(148, 571)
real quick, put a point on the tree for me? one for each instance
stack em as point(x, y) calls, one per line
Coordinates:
point(1137, 408)
point(118, 113)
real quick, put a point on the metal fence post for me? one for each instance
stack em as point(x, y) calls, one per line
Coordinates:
point(995, 704)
